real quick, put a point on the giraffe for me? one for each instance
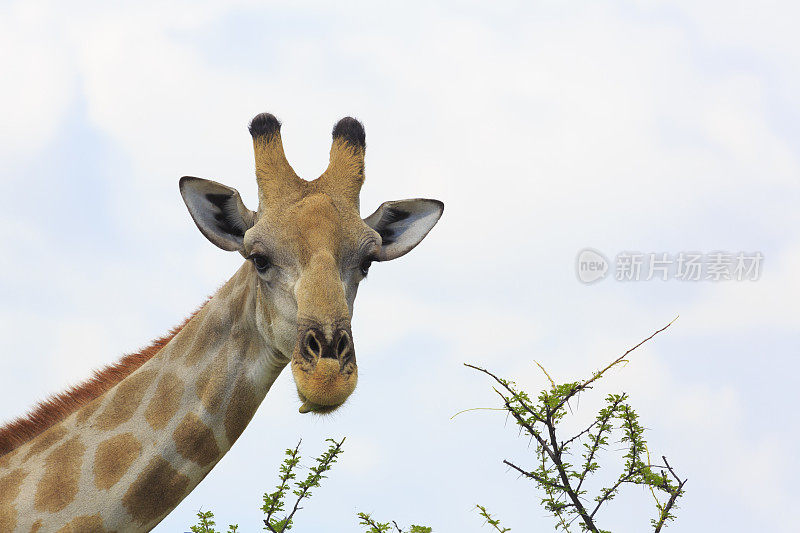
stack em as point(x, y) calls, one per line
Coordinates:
point(120, 451)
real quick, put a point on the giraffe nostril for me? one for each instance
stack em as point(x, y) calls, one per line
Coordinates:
point(343, 346)
point(312, 345)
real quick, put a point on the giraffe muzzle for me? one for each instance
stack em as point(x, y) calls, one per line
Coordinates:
point(324, 367)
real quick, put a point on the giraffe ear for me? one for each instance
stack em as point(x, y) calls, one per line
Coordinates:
point(402, 224)
point(218, 211)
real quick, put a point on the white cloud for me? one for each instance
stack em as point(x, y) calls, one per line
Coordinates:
point(39, 78)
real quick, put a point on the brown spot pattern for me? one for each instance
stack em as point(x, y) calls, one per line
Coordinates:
point(195, 441)
point(113, 458)
point(196, 351)
point(216, 329)
point(59, 484)
point(45, 440)
point(185, 350)
point(5, 460)
point(238, 302)
point(9, 490)
point(157, 490)
point(84, 524)
point(241, 409)
point(8, 517)
point(85, 413)
point(127, 397)
point(252, 351)
point(36, 526)
point(165, 402)
point(210, 385)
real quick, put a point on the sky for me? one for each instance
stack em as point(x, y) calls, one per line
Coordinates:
point(631, 127)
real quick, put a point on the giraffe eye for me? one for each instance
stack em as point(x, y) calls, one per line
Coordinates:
point(261, 262)
point(364, 267)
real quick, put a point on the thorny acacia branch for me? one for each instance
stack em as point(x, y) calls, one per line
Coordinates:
point(562, 482)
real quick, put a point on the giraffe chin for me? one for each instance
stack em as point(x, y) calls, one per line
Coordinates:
point(324, 386)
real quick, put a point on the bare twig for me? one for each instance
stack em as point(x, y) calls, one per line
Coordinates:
point(586, 384)
point(477, 409)
point(533, 476)
point(552, 383)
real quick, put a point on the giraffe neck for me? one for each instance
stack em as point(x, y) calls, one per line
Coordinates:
point(125, 460)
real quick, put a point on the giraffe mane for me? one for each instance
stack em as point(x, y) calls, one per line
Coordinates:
point(48, 412)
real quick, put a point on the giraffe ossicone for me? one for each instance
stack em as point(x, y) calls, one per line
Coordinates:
point(120, 451)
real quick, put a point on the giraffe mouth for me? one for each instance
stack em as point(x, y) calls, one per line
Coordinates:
point(323, 385)
point(311, 407)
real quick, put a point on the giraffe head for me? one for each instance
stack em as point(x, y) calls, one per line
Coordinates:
point(309, 249)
